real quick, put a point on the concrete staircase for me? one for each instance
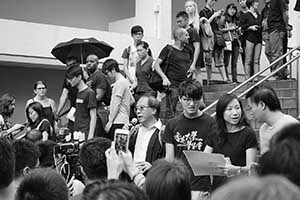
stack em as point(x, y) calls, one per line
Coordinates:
point(286, 90)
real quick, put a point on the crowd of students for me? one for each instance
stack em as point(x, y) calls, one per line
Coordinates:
point(106, 98)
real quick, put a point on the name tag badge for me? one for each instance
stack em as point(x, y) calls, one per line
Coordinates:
point(79, 101)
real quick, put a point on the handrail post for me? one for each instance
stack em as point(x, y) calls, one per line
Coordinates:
point(298, 86)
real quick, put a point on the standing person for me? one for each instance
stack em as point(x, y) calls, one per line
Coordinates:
point(130, 55)
point(182, 20)
point(194, 21)
point(229, 23)
point(68, 93)
point(265, 107)
point(265, 33)
point(242, 16)
point(218, 52)
point(145, 142)
point(179, 58)
point(37, 121)
point(189, 131)
point(235, 139)
point(143, 71)
point(85, 114)
point(99, 83)
point(120, 99)
point(40, 91)
point(251, 26)
point(278, 26)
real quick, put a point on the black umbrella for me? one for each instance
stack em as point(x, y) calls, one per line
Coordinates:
point(81, 48)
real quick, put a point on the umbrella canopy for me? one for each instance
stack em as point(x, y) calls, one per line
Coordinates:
point(81, 48)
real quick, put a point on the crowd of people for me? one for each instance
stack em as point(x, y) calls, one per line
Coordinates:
point(41, 160)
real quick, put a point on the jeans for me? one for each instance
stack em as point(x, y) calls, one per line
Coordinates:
point(253, 52)
point(277, 49)
point(234, 53)
point(170, 102)
point(268, 52)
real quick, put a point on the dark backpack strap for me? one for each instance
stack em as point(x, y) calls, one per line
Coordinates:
point(170, 49)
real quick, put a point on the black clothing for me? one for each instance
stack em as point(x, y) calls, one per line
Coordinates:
point(275, 19)
point(249, 20)
point(190, 134)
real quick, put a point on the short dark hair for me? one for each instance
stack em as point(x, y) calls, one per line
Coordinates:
point(222, 103)
point(92, 157)
point(27, 155)
point(5, 100)
point(182, 14)
point(168, 180)
point(136, 29)
point(190, 88)
point(283, 155)
point(109, 65)
point(265, 94)
point(44, 184)
point(152, 103)
point(74, 72)
point(7, 166)
point(113, 190)
point(249, 3)
point(69, 58)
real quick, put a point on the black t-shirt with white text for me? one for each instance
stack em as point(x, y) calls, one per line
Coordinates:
point(190, 134)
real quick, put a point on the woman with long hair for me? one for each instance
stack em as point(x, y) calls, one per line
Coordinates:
point(7, 106)
point(40, 95)
point(235, 139)
point(192, 10)
point(39, 128)
point(251, 25)
point(229, 23)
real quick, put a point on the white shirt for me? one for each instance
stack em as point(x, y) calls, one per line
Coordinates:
point(266, 132)
point(143, 139)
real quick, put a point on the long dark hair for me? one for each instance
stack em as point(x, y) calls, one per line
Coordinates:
point(37, 107)
point(5, 101)
point(229, 18)
point(220, 109)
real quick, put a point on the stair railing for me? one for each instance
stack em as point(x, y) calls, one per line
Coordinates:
point(258, 74)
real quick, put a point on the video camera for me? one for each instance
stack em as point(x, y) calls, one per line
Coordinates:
point(67, 158)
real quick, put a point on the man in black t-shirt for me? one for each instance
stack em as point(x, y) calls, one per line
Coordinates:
point(189, 130)
point(85, 114)
point(99, 83)
point(182, 20)
point(278, 27)
point(178, 58)
point(68, 93)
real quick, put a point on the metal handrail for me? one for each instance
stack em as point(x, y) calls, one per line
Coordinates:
point(258, 74)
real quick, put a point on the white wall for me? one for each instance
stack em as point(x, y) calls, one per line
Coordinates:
point(153, 15)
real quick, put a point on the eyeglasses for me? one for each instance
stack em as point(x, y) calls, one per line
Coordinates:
point(189, 100)
point(141, 108)
point(41, 88)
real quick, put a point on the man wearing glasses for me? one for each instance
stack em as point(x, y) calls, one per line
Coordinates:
point(145, 142)
point(189, 131)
